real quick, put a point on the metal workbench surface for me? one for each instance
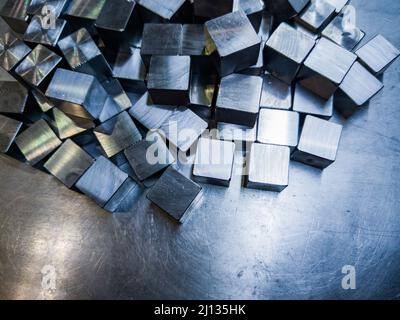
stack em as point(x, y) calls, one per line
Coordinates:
point(237, 243)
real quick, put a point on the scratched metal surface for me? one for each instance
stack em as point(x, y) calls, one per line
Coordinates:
point(236, 243)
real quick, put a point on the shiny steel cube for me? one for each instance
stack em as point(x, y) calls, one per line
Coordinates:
point(9, 128)
point(317, 15)
point(306, 102)
point(275, 94)
point(319, 142)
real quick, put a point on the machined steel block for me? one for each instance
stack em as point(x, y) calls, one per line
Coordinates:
point(12, 51)
point(214, 8)
point(119, 23)
point(202, 92)
point(278, 127)
point(325, 68)
point(232, 43)
point(168, 80)
point(377, 54)
point(83, 55)
point(337, 32)
point(37, 66)
point(101, 181)
point(319, 142)
point(117, 134)
point(357, 88)
point(236, 133)
point(37, 142)
point(238, 99)
point(9, 129)
point(39, 32)
point(317, 15)
point(14, 12)
point(85, 9)
point(285, 51)
point(174, 193)
point(214, 161)
point(275, 94)
point(162, 40)
point(13, 96)
point(79, 91)
point(306, 102)
point(268, 167)
point(180, 126)
point(45, 7)
point(286, 9)
point(149, 156)
point(166, 11)
point(69, 163)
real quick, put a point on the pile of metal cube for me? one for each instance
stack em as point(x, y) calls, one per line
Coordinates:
point(90, 87)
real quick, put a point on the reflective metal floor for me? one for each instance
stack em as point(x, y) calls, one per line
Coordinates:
point(237, 243)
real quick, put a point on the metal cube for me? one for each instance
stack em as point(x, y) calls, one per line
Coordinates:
point(319, 142)
point(83, 55)
point(236, 133)
point(238, 99)
point(278, 127)
point(377, 54)
point(357, 88)
point(13, 96)
point(275, 94)
point(9, 129)
point(307, 102)
point(91, 96)
point(38, 65)
point(37, 32)
point(325, 68)
point(286, 9)
point(174, 193)
point(202, 92)
point(214, 162)
point(68, 125)
point(149, 156)
point(169, 79)
point(117, 134)
point(268, 167)
point(101, 181)
point(317, 15)
point(68, 163)
point(12, 51)
point(125, 198)
point(162, 40)
point(282, 60)
point(232, 43)
point(164, 11)
point(37, 142)
point(335, 32)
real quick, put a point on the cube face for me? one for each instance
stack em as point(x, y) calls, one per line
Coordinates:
point(161, 39)
point(214, 8)
point(317, 15)
point(91, 95)
point(172, 186)
point(67, 126)
point(309, 103)
point(214, 161)
point(276, 94)
point(378, 54)
point(232, 42)
point(325, 68)
point(9, 128)
point(335, 32)
point(37, 142)
point(357, 88)
point(268, 167)
point(286, 9)
point(285, 51)
point(319, 142)
point(164, 9)
point(239, 99)
point(202, 91)
point(168, 80)
point(117, 134)
point(85, 9)
point(149, 156)
point(14, 12)
point(14, 97)
point(38, 65)
point(36, 33)
point(12, 51)
point(36, 7)
point(101, 181)
point(69, 163)
point(193, 40)
point(236, 133)
point(125, 198)
point(115, 15)
point(278, 127)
